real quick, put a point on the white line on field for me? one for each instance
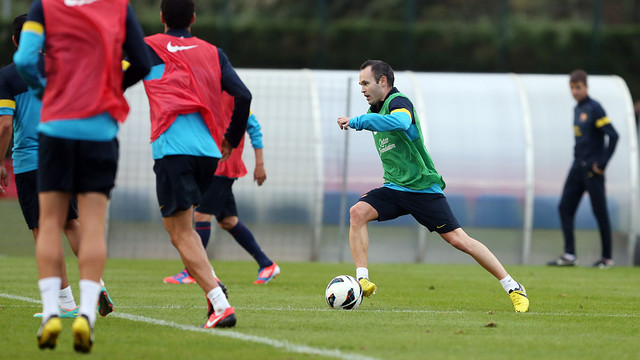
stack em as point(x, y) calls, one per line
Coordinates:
point(287, 308)
point(302, 349)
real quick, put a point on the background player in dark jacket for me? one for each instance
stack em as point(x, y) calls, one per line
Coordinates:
point(591, 155)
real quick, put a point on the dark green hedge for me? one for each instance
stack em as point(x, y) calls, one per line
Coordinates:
point(525, 46)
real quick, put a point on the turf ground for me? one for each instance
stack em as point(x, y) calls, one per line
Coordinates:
point(420, 311)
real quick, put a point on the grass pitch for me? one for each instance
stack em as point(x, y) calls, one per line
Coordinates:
point(420, 311)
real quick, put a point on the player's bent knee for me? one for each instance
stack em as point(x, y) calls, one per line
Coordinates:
point(72, 225)
point(228, 223)
point(200, 217)
point(225, 226)
point(458, 240)
point(361, 213)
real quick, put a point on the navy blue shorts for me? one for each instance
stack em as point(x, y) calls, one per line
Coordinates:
point(181, 180)
point(27, 187)
point(218, 200)
point(76, 166)
point(430, 210)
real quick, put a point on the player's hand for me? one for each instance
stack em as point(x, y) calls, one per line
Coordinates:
point(225, 149)
point(4, 179)
point(259, 174)
point(343, 122)
point(596, 169)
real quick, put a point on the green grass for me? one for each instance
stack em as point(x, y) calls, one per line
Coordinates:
point(420, 311)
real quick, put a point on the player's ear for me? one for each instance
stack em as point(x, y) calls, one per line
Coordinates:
point(13, 38)
point(162, 18)
point(383, 80)
point(193, 19)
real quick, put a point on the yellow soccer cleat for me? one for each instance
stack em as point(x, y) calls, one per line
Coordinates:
point(82, 334)
point(519, 299)
point(368, 288)
point(48, 333)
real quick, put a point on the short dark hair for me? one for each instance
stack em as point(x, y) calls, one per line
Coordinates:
point(577, 76)
point(379, 69)
point(17, 26)
point(177, 14)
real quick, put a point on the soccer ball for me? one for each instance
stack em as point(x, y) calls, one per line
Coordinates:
point(344, 292)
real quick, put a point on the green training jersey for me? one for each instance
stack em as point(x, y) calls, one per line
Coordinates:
point(405, 162)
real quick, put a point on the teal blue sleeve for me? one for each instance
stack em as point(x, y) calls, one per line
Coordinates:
point(253, 129)
point(26, 60)
point(375, 122)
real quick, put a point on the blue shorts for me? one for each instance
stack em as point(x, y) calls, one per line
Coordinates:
point(27, 187)
point(218, 200)
point(181, 180)
point(76, 166)
point(430, 210)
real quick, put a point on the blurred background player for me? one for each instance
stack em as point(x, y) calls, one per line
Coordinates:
point(20, 115)
point(219, 201)
point(411, 183)
point(184, 88)
point(591, 156)
point(82, 104)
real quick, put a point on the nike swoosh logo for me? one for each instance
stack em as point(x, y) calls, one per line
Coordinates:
point(176, 48)
point(211, 323)
point(441, 226)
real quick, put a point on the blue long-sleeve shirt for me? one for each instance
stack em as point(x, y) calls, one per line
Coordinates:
point(400, 118)
point(254, 131)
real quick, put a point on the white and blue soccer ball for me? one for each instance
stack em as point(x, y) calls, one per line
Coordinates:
point(344, 292)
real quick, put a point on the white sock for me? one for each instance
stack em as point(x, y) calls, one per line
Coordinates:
point(101, 282)
point(65, 298)
point(362, 272)
point(89, 294)
point(570, 257)
point(49, 289)
point(219, 301)
point(509, 284)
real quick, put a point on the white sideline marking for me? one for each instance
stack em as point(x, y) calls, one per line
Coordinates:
point(21, 298)
point(302, 349)
point(283, 308)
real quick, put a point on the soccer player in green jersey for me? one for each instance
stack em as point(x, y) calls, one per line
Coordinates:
point(411, 183)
